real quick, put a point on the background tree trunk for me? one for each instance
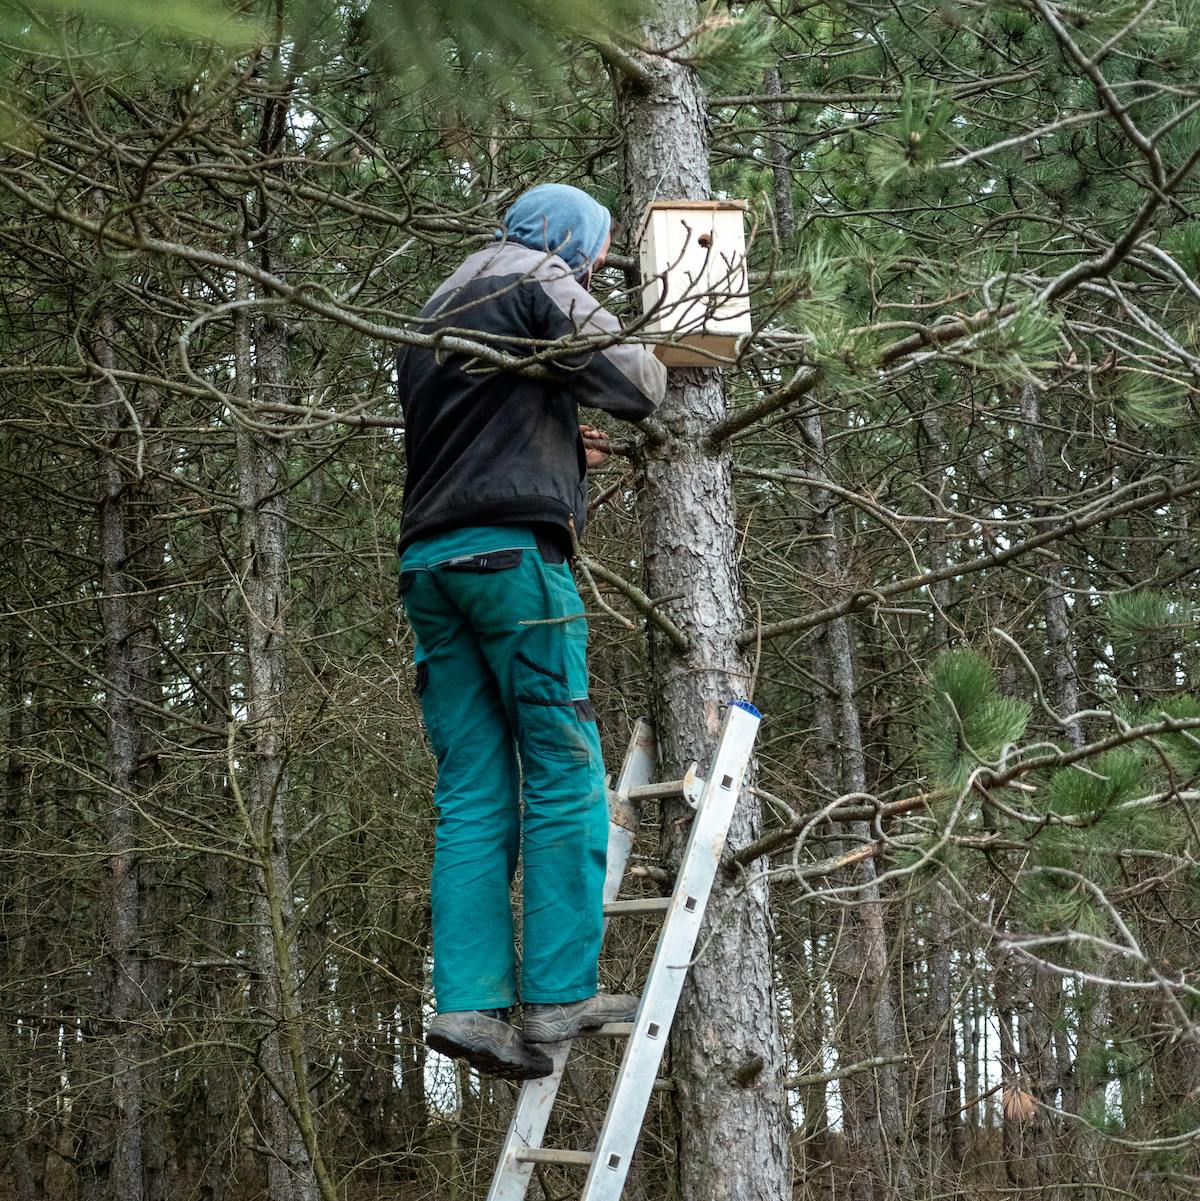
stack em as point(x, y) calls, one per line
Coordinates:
point(261, 486)
point(122, 1173)
point(871, 1103)
point(15, 1160)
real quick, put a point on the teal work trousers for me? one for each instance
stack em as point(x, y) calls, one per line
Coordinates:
point(501, 671)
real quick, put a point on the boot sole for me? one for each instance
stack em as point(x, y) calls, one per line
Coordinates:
point(488, 1060)
point(535, 1031)
point(557, 1034)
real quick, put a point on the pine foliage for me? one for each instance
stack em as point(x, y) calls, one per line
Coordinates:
point(968, 723)
point(916, 139)
point(1133, 617)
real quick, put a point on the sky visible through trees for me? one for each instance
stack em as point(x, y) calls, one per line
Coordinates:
point(939, 519)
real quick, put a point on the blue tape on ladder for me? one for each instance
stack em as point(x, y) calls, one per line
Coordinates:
point(747, 706)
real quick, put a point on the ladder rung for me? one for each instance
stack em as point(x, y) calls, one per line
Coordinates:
point(643, 905)
point(610, 1030)
point(687, 787)
point(551, 1155)
point(650, 792)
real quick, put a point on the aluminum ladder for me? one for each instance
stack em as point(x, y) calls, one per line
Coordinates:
point(713, 799)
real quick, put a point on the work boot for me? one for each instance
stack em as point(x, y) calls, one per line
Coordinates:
point(484, 1038)
point(553, 1023)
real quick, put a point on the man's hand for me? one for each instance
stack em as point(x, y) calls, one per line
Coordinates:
point(596, 446)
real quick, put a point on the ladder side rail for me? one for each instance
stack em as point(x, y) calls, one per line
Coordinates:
point(677, 943)
point(536, 1098)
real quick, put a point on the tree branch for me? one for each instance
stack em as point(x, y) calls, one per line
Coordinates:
point(866, 598)
point(774, 839)
point(852, 1069)
point(640, 601)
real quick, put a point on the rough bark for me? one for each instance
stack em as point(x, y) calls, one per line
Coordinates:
point(1035, 1043)
point(781, 176)
point(809, 1035)
point(216, 1167)
point(871, 1103)
point(15, 1160)
point(941, 1121)
point(146, 550)
point(411, 924)
point(291, 1169)
point(1010, 1069)
point(972, 1025)
point(122, 1173)
point(1062, 684)
point(1091, 1076)
point(727, 1053)
point(939, 1047)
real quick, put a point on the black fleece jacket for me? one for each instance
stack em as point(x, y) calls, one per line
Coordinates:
point(489, 447)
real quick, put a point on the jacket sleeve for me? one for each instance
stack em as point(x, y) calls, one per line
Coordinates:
point(624, 379)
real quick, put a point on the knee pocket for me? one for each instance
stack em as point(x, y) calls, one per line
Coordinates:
point(555, 717)
point(558, 730)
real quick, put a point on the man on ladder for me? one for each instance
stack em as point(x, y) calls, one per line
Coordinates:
point(496, 480)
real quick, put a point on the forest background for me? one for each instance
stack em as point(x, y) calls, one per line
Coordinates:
point(939, 520)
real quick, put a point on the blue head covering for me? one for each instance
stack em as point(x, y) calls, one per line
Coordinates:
point(560, 219)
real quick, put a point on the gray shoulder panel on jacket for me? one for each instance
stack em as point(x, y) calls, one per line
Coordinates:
point(500, 258)
point(634, 361)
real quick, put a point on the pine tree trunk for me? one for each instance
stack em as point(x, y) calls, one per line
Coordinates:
point(261, 493)
point(972, 1022)
point(216, 1171)
point(411, 925)
point(146, 550)
point(122, 982)
point(808, 1036)
point(15, 1160)
point(296, 1171)
point(1091, 1079)
point(781, 176)
point(1034, 1045)
point(1010, 1067)
point(871, 1108)
point(939, 1047)
point(1062, 685)
point(940, 1117)
point(726, 1048)
point(1062, 693)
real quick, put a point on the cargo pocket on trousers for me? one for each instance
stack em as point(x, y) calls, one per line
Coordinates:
point(421, 691)
point(553, 723)
point(555, 729)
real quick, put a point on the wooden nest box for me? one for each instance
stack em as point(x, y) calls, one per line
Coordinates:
point(698, 248)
